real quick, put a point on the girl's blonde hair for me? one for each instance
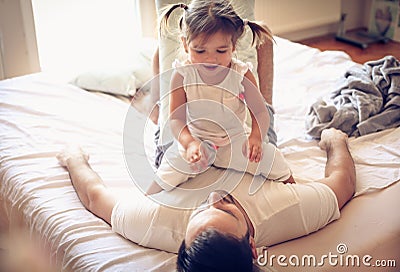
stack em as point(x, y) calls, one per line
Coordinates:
point(208, 17)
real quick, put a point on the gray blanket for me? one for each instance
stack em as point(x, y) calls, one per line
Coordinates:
point(366, 100)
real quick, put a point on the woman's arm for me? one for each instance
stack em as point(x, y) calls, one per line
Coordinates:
point(265, 69)
point(155, 87)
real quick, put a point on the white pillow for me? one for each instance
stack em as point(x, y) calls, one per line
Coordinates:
point(123, 80)
point(114, 82)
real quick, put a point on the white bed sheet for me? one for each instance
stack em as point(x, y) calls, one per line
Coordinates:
point(39, 115)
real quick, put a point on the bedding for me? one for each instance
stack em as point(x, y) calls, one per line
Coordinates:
point(120, 79)
point(40, 113)
point(367, 100)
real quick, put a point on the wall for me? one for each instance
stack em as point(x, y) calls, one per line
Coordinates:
point(17, 39)
point(297, 20)
point(358, 12)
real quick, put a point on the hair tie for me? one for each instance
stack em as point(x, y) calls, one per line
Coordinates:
point(183, 6)
point(245, 22)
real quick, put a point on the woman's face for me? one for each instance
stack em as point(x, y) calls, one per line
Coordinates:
point(210, 51)
point(219, 212)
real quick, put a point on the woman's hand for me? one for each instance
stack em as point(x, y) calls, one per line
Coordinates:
point(252, 149)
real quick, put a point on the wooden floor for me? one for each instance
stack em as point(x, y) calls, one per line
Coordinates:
point(374, 51)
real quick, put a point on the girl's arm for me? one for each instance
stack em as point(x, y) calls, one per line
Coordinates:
point(256, 105)
point(177, 109)
point(259, 118)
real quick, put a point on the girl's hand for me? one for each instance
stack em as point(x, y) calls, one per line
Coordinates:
point(252, 149)
point(193, 153)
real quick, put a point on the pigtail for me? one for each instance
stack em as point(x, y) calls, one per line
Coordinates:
point(261, 32)
point(166, 13)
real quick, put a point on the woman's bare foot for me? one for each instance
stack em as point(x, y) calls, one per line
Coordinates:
point(71, 152)
point(332, 136)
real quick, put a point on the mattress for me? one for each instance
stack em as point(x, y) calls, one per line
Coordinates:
point(41, 113)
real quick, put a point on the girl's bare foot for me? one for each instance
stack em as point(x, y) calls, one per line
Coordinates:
point(71, 152)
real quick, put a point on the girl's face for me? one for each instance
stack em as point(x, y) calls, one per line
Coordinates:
point(211, 51)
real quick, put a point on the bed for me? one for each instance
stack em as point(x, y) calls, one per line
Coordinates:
point(40, 113)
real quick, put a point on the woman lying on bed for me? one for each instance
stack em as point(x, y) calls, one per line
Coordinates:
point(222, 234)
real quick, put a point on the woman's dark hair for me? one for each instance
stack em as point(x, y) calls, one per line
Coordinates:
point(214, 251)
point(208, 17)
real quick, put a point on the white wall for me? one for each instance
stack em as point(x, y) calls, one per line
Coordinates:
point(297, 20)
point(18, 50)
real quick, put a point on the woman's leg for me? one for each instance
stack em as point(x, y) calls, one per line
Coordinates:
point(89, 186)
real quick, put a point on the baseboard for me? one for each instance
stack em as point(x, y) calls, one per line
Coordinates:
point(310, 32)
